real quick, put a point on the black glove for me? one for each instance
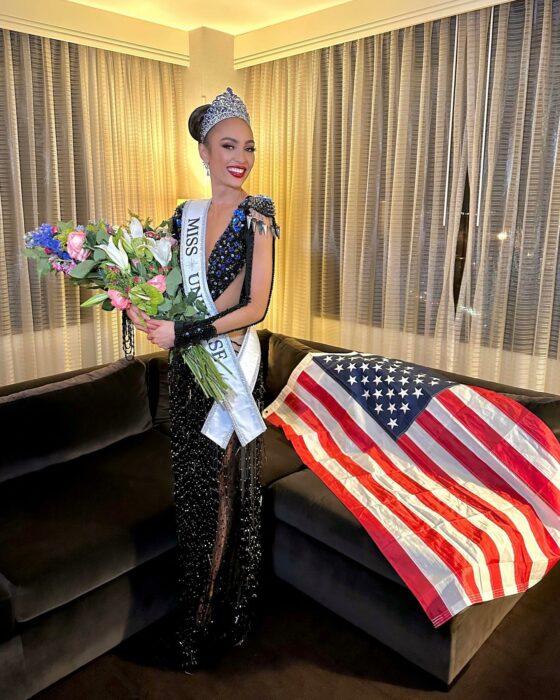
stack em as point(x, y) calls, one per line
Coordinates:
point(189, 333)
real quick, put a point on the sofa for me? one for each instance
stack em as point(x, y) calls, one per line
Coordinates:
point(87, 536)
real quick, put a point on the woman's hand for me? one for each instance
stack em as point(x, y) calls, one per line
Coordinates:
point(161, 333)
point(138, 318)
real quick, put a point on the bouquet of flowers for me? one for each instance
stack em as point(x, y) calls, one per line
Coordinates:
point(138, 265)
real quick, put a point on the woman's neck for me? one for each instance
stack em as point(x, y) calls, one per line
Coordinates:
point(227, 197)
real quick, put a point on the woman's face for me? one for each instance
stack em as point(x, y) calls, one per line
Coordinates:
point(229, 152)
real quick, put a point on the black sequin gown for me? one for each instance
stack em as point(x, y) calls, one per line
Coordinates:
point(217, 494)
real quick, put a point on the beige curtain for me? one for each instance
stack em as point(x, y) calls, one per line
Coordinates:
point(368, 147)
point(281, 97)
point(508, 315)
point(86, 134)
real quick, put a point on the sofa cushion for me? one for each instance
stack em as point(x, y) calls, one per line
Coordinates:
point(280, 458)
point(63, 420)
point(74, 526)
point(284, 353)
point(547, 408)
point(303, 501)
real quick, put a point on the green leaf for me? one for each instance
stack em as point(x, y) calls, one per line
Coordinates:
point(95, 299)
point(173, 280)
point(102, 236)
point(36, 253)
point(107, 305)
point(177, 311)
point(64, 228)
point(146, 297)
point(43, 266)
point(126, 245)
point(138, 269)
point(165, 307)
point(99, 254)
point(83, 268)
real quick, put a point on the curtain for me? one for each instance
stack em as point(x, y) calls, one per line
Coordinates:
point(417, 177)
point(87, 134)
point(281, 97)
point(508, 313)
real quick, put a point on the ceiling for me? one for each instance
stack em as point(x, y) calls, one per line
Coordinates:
point(231, 16)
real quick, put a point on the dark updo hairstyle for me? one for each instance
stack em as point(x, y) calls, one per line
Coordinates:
point(195, 121)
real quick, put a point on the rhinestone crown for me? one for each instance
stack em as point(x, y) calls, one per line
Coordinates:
point(224, 106)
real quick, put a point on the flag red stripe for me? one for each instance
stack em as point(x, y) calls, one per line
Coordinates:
point(501, 449)
point(459, 565)
point(424, 591)
point(470, 531)
point(521, 557)
point(487, 476)
point(533, 426)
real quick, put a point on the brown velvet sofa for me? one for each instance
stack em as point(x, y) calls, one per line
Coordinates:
point(87, 537)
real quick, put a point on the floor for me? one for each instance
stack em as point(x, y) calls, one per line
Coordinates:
point(301, 650)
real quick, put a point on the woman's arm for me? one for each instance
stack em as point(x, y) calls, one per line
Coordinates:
point(257, 291)
point(257, 287)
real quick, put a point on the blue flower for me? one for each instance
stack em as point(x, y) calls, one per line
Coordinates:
point(43, 237)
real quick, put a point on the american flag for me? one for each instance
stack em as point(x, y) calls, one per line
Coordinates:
point(458, 486)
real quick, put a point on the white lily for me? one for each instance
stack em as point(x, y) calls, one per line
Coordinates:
point(161, 250)
point(116, 254)
point(136, 230)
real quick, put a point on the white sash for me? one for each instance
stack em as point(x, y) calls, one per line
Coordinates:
point(239, 410)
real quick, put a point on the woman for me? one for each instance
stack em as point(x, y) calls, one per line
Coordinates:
point(217, 489)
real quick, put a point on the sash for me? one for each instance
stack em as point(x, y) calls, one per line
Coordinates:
point(238, 411)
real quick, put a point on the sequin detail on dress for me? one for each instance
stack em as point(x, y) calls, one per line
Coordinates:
point(228, 255)
point(217, 498)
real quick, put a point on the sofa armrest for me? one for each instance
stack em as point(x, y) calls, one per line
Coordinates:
point(7, 622)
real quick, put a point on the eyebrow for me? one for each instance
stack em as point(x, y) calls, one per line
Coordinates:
point(230, 138)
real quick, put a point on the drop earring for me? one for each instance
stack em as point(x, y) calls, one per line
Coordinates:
point(207, 168)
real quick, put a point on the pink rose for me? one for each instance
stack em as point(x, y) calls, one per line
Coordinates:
point(158, 282)
point(75, 246)
point(118, 300)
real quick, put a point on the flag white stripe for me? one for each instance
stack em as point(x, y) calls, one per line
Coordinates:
point(462, 476)
point(513, 433)
point(469, 549)
point(545, 513)
point(426, 560)
point(401, 460)
point(442, 578)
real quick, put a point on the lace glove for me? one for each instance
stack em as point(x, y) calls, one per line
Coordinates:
point(188, 333)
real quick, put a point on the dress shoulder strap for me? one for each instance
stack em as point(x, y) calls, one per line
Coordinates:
point(261, 215)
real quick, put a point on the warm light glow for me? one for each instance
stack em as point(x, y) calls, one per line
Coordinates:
point(503, 235)
point(188, 14)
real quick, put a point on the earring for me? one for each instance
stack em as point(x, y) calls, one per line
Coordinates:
point(206, 166)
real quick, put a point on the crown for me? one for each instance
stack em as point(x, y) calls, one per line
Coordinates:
point(224, 106)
